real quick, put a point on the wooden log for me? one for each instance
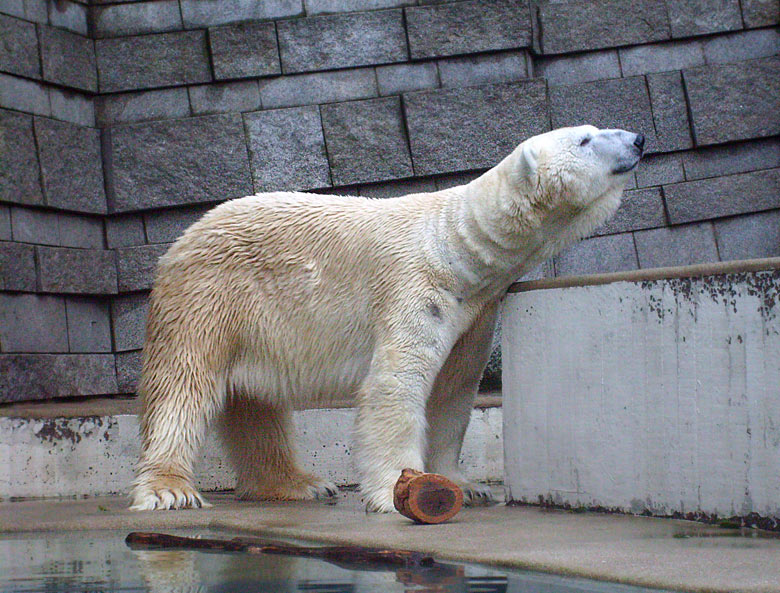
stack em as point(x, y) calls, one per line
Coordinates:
point(426, 498)
point(344, 556)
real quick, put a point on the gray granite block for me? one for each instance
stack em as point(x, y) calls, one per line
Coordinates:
point(5, 223)
point(579, 25)
point(734, 101)
point(70, 15)
point(32, 10)
point(137, 265)
point(543, 270)
point(62, 149)
point(676, 246)
point(89, 325)
point(76, 271)
point(24, 95)
point(468, 27)
point(287, 149)
point(125, 231)
point(44, 376)
point(320, 87)
point(486, 69)
point(401, 78)
point(121, 20)
point(472, 127)
point(456, 179)
point(598, 255)
point(760, 13)
point(76, 108)
point(701, 17)
point(208, 13)
point(128, 370)
point(128, 315)
point(165, 226)
point(131, 107)
point(640, 209)
point(330, 6)
point(68, 59)
point(41, 227)
point(749, 237)
point(585, 67)
point(15, 8)
point(19, 47)
point(244, 50)
point(392, 189)
point(183, 161)
point(366, 141)
point(659, 169)
point(81, 231)
point(670, 113)
point(20, 180)
point(342, 41)
point(622, 103)
point(44, 227)
point(661, 57)
point(147, 61)
point(733, 158)
point(723, 196)
point(342, 190)
point(32, 323)
point(744, 45)
point(17, 267)
point(235, 97)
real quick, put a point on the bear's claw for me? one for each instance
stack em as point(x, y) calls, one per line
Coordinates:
point(147, 498)
point(475, 494)
point(323, 489)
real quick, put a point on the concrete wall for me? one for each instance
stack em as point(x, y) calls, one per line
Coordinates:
point(96, 455)
point(656, 396)
point(121, 122)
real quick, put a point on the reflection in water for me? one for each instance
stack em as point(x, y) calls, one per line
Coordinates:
point(100, 562)
point(169, 571)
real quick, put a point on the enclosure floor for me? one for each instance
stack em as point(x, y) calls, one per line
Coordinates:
point(659, 553)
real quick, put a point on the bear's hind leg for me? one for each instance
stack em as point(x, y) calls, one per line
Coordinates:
point(176, 413)
point(259, 440)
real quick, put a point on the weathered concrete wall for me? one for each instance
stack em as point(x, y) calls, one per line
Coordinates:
point(655, 396)
point(95, 455)
point(109, 108)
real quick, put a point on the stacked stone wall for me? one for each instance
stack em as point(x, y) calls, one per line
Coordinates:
point(122, 122)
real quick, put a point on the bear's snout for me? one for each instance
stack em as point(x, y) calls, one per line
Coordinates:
point(639, 142)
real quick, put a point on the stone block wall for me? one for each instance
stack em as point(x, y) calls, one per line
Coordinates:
point(121, 122)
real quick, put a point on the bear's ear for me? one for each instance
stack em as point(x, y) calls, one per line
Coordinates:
point(526, 168)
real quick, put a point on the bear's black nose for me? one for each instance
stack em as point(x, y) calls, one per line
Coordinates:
point(639, 141)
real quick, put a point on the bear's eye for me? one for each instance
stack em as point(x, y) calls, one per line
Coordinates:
point(585, 140)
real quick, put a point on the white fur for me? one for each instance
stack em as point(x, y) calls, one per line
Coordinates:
point(284, 300)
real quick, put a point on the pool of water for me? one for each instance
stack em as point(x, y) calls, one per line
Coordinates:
point(93, 562)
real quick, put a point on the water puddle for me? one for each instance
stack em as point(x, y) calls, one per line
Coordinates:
point(99, 561)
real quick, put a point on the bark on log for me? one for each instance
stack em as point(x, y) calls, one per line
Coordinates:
point(426, 498)
point(345, 556)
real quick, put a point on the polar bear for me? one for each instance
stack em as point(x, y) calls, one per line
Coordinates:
point(281, 300)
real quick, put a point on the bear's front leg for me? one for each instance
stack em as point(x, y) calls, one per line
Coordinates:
point(391, 415)
point(452, 400)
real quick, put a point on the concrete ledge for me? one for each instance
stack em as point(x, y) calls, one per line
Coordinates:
point(90, 454)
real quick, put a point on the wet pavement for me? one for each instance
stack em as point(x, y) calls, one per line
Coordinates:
point(659, 553)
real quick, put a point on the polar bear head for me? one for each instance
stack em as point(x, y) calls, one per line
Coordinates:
point(567, 182)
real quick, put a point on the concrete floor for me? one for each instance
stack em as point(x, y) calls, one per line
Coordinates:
point(658, 553)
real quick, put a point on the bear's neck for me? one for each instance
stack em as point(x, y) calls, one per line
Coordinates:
point(492, 235)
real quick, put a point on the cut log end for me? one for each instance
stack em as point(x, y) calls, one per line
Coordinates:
point(426, 498)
